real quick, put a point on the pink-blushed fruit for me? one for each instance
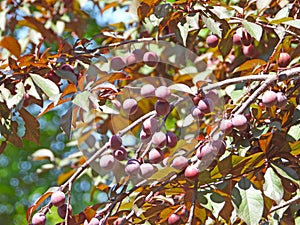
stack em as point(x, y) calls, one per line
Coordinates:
point(58, 198)
point(120, 154)
point(115, 142)
point(150, 125)
point(117, 63)
point(94, 221)
point(147, 170)
point(159, 139)
point(139, 53)
point(148, 91)
point(249, 51)
point(163, 93)
point(269, 98)
point(130, 59)
point(219, 147)
point(246, 38)
point(197, 113)
point(191, 172)
point(132, 167)
point(226, 126)
point(206, 152)
point(239, 122)
point(156, 155)
point(117, 104)
point(180, 162)
point(212, 40)
point(150, 59)
point(62, 210)
point(39, 219)
point(237, 40)
point(130, 106)
point(171, 139)
point(26, 101)
point(284, 59)
point(107, 162)
point(205, 105)
point(173, 219)
point(145, 138)
point(196, 99)
point(162, 108)
point(281, 100)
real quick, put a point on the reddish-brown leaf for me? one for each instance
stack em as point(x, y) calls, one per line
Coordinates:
point(12, 45)
point(32, 126)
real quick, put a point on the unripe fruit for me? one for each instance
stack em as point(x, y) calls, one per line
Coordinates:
point(94, 221)
point(132, 167)
point(163, 93)
point(148, 90)
point(284, 59)
point(150, 125)
point(107, 162)
point(150, 59)
point(145, 138)
point(58, 198)
point(180, 162)
point(281, 100)
point(269, 98)
point(171, 139)
point(39, 219)
point(130, 106)
point(62, 210)
point(191, 172)
point(246, 38)
point(197, 113)
point(115, 142)
point(226, 126)
point(139, 53)
point(249, 51)
point(147, 170)
point(239, 122)
point(173, 219)
point(120, 154)
point(156, 155)
point(159, 139)
point(212, 40)
point(130, 59)
point(205, 105)
point(237, 40)
point(117, 63)
point(162, 108)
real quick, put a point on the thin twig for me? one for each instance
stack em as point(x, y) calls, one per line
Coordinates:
point(289, 202)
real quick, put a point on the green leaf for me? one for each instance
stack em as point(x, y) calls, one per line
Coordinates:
point(294, 23)
point(253, 29)
point(47, 86)
point(294, 131)
point(183, 32)
point(247, 201)
point(273, 187)
point(212, 25)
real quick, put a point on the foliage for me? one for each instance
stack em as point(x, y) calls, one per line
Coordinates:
point(215, 83)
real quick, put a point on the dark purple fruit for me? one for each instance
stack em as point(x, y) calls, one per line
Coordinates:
point(150, 59)
point(94, 221)
point(205, 105)
point(130, 59)
point(162, 108)
point(150, 125)
point(284, 59)
point(226, 126)
point(249, 51)
point(197, 113)
point(246, 38)
point(145, 138)
point(174, 219)
point(120, 154)
point(62, 210)
point(171, 139)
point(237, 40)
point(212, 40)
point(115, 142)
point(139, 53)
point(117, 63)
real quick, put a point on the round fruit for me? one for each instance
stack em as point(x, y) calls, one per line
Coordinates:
point(147, 170)
point(191, 172)
point(239, 122)
point(173, 219)
point(94, 221)
point(130, 59)
point(162, 108)
point(132, 167)
point(150, 59)
point(62, 210)
point(148, 90)
point(212, 40)
point(249, 51)
point(196, 99)
point(120, 154)
point(237, 40)
point(58, 198)
point(284, 59)
point(107, 162)
point(246, 38)
point(130, 106)
point(150, 125)
point(171, 139)
point(159, 139)
point(205, 105)
point(117, 63)
point(139, 53)
point(219, 147)
point(197, 113)
point(180, 162)
point(145, 138)
point(205, 151)
point(281, 100)
point(39, 219)
point(115, 142)
point(156, 155)
point(269, 98)
point(117, 104)
point(226, 126)
point(163, 93)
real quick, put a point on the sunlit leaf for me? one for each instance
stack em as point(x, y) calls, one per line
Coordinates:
point(47, 86)
point(64, 176)
point(273, 186)
point(250, 65)
point(253, 29)
point(43, 154)
point(12, 45)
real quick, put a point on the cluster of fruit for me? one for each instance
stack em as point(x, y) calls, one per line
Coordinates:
point(149, 58)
